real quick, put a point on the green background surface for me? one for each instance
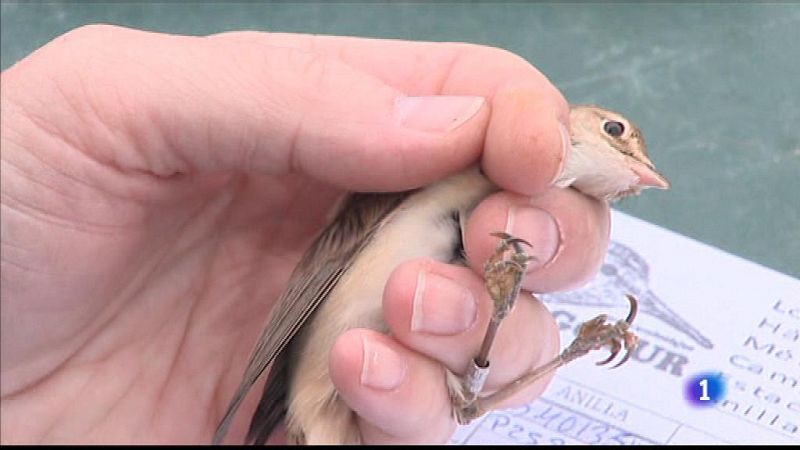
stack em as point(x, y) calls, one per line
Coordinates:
point(715, 87)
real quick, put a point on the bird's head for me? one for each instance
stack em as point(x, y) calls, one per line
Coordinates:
point(609, 156)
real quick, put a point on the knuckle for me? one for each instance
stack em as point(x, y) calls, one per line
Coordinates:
point(87, 37)
point(78, 49)
point(506, 58)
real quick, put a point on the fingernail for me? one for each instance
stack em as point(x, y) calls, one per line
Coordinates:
point(382, 368)
point(566, 149)
point(538, 227)
point(436, 113)
point(442, 306)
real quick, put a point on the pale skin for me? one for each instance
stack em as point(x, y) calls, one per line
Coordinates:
point(157, 191)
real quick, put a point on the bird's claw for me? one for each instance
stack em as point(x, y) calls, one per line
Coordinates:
point(596, 333)
point(508, 240)
point(504, 276)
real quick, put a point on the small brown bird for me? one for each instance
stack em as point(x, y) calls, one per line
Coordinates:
point(372, 234)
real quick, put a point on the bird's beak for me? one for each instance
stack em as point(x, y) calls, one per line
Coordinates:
point(648, 177)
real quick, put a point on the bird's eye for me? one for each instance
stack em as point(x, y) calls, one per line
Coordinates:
point(614, 128)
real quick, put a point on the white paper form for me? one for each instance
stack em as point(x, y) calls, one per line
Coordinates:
point(701, 310)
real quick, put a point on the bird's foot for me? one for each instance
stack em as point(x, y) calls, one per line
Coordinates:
point(596, 333)
point(503, 280)
point(503, 274)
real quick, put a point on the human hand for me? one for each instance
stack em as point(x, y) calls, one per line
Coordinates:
point(157, 191)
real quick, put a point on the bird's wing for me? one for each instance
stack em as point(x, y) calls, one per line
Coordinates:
point(315, 276)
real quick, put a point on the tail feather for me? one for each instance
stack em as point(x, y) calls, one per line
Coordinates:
point(271, 409)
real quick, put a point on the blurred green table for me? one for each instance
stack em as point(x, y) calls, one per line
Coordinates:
point(716, 87)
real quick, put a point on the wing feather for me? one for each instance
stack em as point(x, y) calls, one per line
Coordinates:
point(315, 276)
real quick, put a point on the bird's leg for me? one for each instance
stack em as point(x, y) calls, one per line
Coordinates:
point(503, 281)
point(592, 335)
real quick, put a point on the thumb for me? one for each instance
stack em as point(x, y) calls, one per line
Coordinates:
point(192, 104)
